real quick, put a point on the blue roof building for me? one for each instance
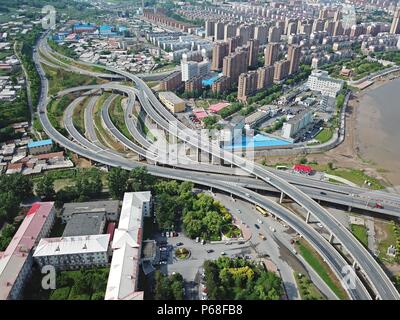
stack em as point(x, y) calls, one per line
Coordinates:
point(40, 143)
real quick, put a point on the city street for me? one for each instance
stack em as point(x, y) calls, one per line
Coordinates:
point(277, 246)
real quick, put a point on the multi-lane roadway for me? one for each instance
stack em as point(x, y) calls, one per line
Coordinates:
point(376, 276)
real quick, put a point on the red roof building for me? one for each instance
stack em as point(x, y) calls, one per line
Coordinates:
point(16, 261)
point(200, 114)
point(214, 108)
point(301, 168)
point(111, 230)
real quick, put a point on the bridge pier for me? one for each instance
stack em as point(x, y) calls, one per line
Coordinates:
point(308, 216)
point(349, 208)
point(331, 238)
point(282, 197)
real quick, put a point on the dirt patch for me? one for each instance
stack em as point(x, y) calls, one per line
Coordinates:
point(81, 162)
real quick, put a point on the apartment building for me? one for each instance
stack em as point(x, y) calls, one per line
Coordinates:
point(16, 261)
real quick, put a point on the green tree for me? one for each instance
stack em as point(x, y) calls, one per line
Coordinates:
point(9, 205)
point(117, 182)
point(45, 188)
point(141, 180)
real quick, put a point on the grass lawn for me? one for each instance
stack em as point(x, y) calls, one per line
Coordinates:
point(354, 175)
point(60, 79)
point(152, 84)
point(325, 135)
point(102, 134)
point(202, 104)
point(358, 177)
point(78, 116)
point(388, 239)
point(117, 117)
point(307, 289)
point(360, 232)
point(317, 263)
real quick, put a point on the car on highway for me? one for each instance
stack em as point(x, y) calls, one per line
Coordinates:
point(210, 251)
point(323, 193)
point(379, 205)
point(262, 237)
point(223, 253)
point(257, 226)
point(259, 221)
point(178, 244)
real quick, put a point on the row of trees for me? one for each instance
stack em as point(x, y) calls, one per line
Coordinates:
point(28, 42)
point(14, 189)
point(86, 185)
point(86, 284)
point(231, 109)
point(168, 287)
point(240, 279)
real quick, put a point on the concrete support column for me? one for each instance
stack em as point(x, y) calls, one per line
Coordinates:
point(308, 217)
point(282, 197)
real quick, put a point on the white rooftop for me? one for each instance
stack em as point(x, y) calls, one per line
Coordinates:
point(72, 245)
point(122, 279)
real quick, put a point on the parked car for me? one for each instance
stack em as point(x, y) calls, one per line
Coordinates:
point(178, 244)
point(210, 251)
point(223, 253)
point(257, 226)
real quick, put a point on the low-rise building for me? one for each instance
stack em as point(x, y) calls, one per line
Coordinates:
point(85, 224)
point(123, 279)
point(320, 81)
point(41, 146)
point(110, 208)
point(295, 124)
point(68, 253)
point(172, 101)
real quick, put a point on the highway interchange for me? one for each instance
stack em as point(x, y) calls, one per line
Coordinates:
point(234, 185)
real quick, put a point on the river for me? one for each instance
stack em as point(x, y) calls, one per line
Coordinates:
point(378, 128)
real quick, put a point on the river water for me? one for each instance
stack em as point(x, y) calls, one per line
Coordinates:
point(378, 128)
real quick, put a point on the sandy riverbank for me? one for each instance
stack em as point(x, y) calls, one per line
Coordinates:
point(377, 134)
